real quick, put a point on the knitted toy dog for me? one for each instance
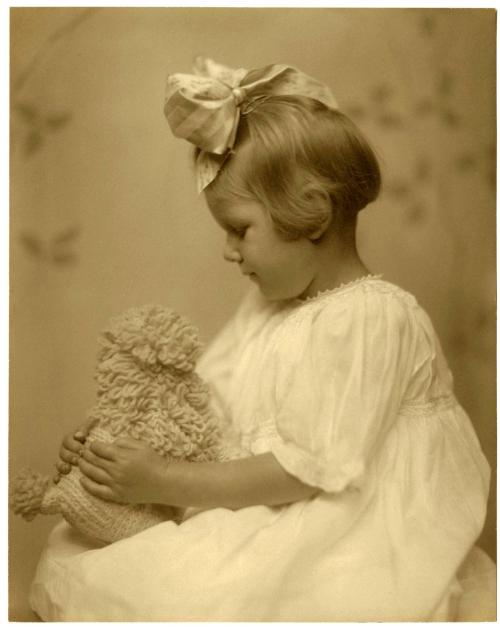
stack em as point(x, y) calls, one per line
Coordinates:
point(148, 390)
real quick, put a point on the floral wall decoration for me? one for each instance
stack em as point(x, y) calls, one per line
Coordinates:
point(443, 107)
point(452, 152)
point(35, 119)
point(105, 214)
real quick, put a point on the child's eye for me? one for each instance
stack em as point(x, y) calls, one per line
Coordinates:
point(239, 232)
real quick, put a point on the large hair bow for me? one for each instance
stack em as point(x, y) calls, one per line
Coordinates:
point(205, 108)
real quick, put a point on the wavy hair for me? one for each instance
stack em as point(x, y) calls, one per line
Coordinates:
point(303, 161)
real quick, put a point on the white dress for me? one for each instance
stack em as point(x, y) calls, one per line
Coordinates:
point(351, 393)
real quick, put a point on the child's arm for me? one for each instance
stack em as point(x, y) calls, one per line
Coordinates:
point(130, 471)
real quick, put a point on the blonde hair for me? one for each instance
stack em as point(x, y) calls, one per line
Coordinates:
point(301, 160)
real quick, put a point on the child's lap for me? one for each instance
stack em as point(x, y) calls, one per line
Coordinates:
point(160, 571)
point(226, 565)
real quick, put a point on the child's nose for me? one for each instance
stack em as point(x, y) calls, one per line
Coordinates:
point(231, 252)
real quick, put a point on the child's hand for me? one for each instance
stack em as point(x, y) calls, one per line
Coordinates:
point(71, 449)
point(126, 471)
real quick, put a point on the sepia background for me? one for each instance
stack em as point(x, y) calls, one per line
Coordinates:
point(105, 215)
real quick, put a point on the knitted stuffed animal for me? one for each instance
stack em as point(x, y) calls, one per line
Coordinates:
point(148, 390)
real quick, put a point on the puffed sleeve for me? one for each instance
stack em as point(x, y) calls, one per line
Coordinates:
point(216, 364)
point(340, 379)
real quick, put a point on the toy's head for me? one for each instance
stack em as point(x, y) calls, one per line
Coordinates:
point(147, 385)
point(147, 389)
point(153, 336)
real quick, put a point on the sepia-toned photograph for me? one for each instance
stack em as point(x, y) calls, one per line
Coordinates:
point(252, 314)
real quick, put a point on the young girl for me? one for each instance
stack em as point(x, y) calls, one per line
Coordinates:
point(360, 487)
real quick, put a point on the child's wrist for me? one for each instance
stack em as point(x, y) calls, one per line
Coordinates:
point(161, 483)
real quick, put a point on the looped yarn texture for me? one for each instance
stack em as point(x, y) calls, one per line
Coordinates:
point(204, 108)
point(148, 390)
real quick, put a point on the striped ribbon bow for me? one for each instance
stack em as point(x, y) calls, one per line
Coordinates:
point(205, 108)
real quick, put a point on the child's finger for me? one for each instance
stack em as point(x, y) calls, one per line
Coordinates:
point(71, 444)
point(95, 473)
point(97, 461)
point(83, 431)
point(80, 436)
point(63, 467)
point(99, 490)
point(103, 450)
point(70, 457)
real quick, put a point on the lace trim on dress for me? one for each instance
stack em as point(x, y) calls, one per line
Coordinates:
point(340, 288)
point(428, 408)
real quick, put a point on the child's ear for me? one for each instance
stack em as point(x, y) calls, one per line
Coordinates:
point(320, 231)
point(325, 211)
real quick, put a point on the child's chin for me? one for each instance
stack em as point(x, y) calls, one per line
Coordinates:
point(274, 294)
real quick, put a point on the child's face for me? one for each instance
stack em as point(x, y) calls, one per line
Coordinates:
point(282, 269)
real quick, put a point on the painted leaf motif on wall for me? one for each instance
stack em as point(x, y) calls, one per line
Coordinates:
point(38, 125)
point(58, 249)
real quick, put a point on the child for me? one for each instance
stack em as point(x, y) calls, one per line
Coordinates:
point(361, 487)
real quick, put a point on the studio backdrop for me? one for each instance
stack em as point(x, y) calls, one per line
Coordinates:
point(105, 213)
